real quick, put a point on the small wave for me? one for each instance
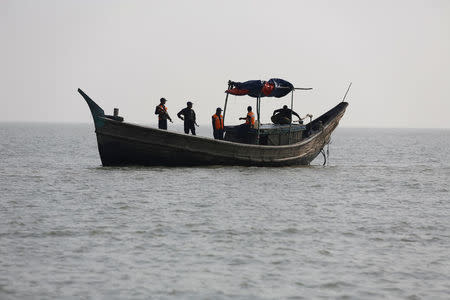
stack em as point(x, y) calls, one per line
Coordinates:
point(283, 249)
point(335, 285)
point(5, 290)
point(192, 225)
point(246, 285)
point(58, 233)
point(407, 240)
point(325, 252)
point(290, 230)
point(433, 240)
point(348, 234)
point(237, 262)
point(280, 262)
point(96, 232)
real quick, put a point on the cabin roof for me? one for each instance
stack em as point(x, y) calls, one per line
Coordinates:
point(274, 87)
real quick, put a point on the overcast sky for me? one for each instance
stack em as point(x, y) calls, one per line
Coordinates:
point(128, 54)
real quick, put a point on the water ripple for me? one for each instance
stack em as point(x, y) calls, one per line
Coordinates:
point(365, 227)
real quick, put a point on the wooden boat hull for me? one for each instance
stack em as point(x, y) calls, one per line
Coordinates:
point(122, 143)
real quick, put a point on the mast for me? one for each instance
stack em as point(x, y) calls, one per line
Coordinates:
point(349, 86)
point(225, 108)
point(290, 124)
point(258, 107)
point(226, 101)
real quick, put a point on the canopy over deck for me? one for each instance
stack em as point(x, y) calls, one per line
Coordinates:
point(275, 87)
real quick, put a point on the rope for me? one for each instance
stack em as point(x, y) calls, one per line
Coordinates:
point(328, 150)
point(324, 157)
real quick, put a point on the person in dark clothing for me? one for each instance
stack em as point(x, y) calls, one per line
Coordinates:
point(284, 116)
point(161, 111)
point(187, 114)
point(217, 124)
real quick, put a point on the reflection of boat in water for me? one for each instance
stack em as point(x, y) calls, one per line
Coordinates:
point(122, 143)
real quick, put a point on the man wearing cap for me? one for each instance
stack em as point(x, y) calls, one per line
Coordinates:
point(188, 117)
point(217, 124)
point(161, 111)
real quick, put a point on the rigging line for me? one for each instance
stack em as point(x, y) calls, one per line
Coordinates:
point(304, 89)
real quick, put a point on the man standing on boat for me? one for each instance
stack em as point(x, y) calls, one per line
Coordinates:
point(284, 116)
point(217, 124)
point(161, 111)
point(188, 118)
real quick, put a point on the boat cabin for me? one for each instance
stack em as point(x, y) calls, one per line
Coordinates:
point(264, 134)
point(269, 134)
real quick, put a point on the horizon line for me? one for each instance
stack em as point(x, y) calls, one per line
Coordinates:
point(205, 124)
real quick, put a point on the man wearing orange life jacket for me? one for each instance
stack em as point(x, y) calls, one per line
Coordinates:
point(249, 123)
point(161, 111)
point(250, 118)
point(217, 124)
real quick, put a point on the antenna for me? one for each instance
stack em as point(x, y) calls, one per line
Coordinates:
point(349, 86)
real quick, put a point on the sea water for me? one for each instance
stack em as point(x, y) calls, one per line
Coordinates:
point(373, 223)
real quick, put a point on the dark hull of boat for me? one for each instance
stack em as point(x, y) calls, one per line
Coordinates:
point(122, 143)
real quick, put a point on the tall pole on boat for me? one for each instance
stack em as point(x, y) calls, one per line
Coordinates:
point(290, 124)
point(349, 86)
point(226, 101)
point(225, 108)
point(258, 107)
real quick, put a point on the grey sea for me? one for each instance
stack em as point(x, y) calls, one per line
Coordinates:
point(373, 223)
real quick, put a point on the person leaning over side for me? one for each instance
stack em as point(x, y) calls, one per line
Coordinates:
point(284, 116)
point(217, 124)
point(188, 118)
point(161, 111)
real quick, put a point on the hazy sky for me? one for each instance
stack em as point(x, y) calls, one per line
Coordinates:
point(128, 54)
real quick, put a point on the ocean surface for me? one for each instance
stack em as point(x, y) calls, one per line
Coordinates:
point(373, 223)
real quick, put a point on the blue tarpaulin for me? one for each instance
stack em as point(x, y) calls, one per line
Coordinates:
point(275, 87)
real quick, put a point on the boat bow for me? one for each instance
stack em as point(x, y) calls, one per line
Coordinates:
point(97, 112)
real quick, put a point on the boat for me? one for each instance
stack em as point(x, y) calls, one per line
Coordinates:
point(121, 143)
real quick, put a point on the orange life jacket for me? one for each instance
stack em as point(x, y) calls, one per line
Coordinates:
point(163, 108)
point(250, 120)
point(218, 122)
